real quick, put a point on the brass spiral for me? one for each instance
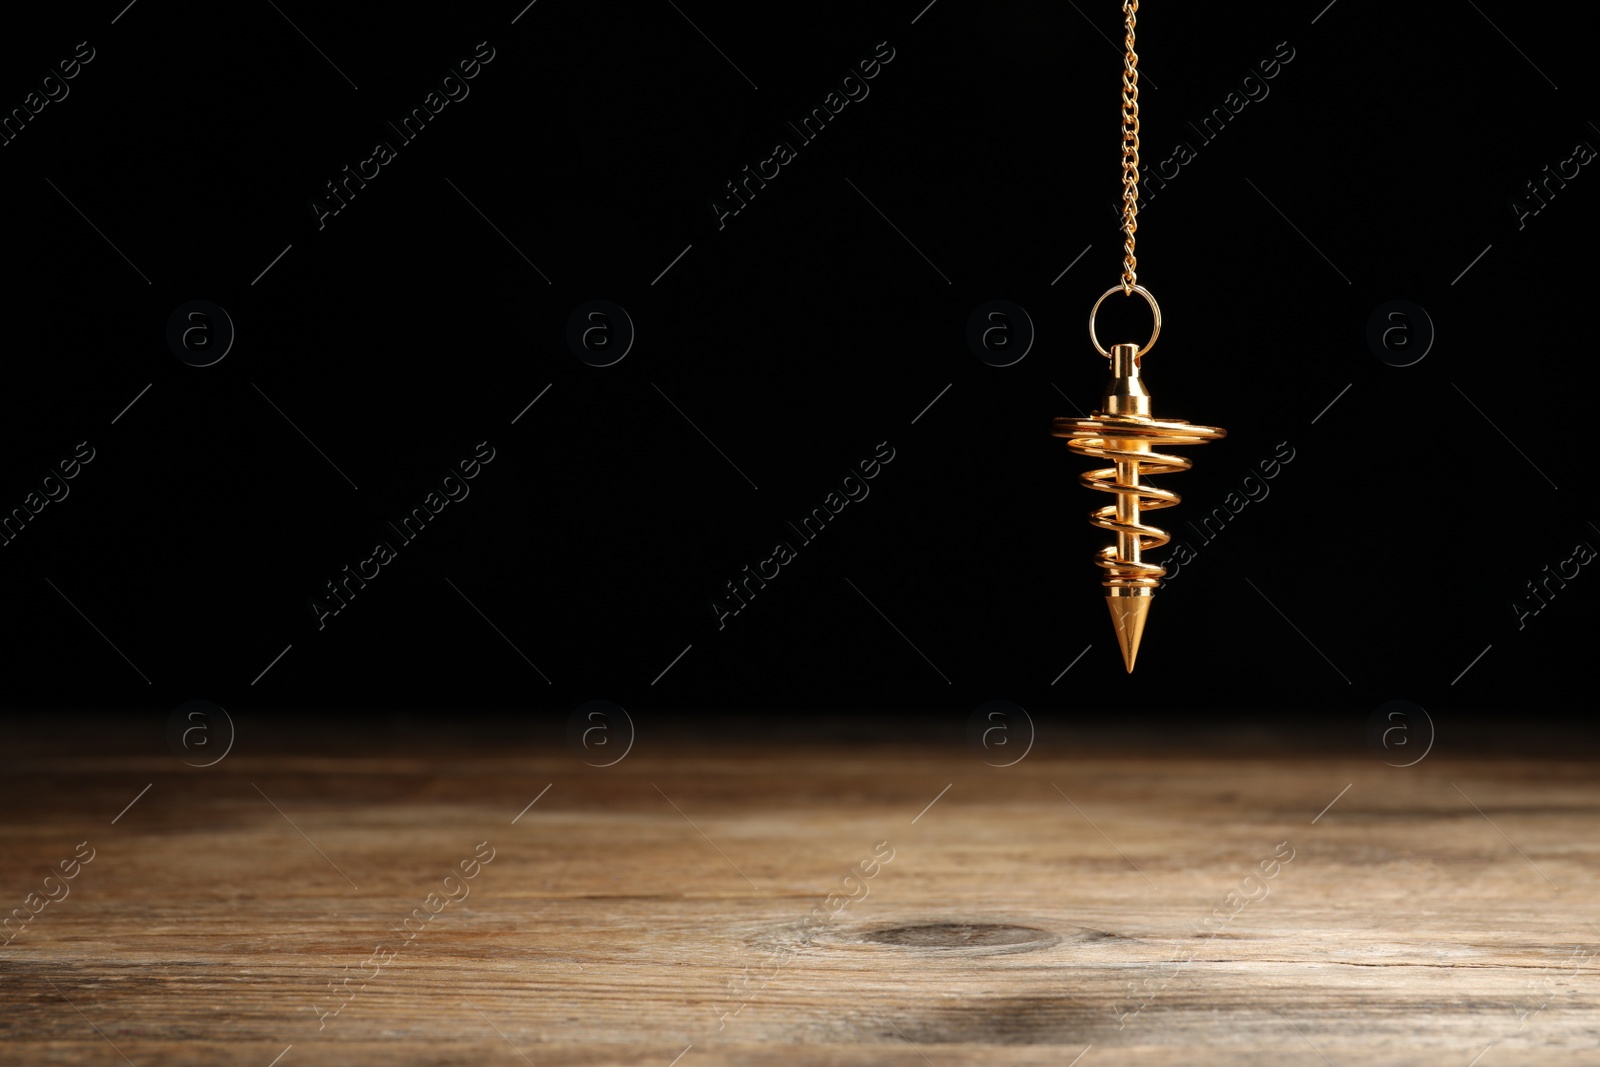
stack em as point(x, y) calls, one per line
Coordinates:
point(1126, 441)
point(1123, 433)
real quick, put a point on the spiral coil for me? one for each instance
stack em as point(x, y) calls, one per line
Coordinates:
point(1126, 441)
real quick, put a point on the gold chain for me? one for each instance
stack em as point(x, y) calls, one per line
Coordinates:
point(1130, 151)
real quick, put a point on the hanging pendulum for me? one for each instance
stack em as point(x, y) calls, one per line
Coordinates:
point(1122, 431)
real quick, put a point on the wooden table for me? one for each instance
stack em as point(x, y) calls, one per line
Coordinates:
point(1088, 905)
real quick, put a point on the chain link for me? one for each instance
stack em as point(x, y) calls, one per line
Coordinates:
point(1130, 151)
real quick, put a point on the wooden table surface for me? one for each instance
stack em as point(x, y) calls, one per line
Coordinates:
point(1090, 907)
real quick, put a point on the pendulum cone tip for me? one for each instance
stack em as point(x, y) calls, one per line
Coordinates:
point(1128, 614)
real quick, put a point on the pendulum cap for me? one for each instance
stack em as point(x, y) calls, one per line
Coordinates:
point(1127, 615)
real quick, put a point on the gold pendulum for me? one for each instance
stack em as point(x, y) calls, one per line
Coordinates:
point(1123, 431)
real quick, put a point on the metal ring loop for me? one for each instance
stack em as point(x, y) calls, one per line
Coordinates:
point(1154, 308)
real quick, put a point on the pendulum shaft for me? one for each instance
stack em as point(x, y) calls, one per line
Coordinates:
point(1128, 505)
point(1126, 398)
point(1127, 509)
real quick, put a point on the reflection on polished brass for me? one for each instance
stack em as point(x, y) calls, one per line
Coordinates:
point(1122, 431)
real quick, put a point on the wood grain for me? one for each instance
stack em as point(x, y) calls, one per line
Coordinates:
point(640, 910)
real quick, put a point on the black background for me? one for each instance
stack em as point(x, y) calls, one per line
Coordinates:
point(796, 338)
